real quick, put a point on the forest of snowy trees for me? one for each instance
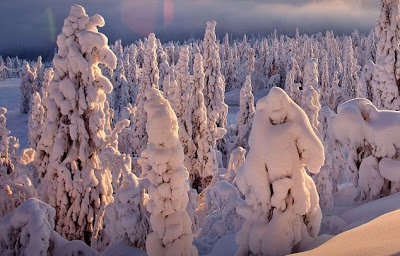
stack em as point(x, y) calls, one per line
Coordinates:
point(131, 144)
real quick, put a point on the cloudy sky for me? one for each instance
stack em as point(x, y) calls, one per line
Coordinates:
point(30, 26)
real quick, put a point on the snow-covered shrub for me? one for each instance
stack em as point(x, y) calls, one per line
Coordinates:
point(75, 183)
point(280, 198)
point(126, 218)
point(370, 138)
point(27, 87)
point(236, 160)
point(28, 230)
point(15, 192)
point(35, 121)
point(162, 165)
point(221, 200)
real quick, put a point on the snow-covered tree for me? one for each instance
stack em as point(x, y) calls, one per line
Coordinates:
point(126, 218)
point(75, 183)
point(204, 162)
point(121, 97)
point(149, 79)
point(6, 165)
point(28, 230)
point(162, 164)
point(179, 102)
point(133, 75)
point(309, 101)
point(280, 198)
point(27, 87)
point(39, 76)
point(245, 115)
point(369, 137)
point(387, 71)
point(364, 86)
point(36, 119)
point(350, 69)
point(214, 89)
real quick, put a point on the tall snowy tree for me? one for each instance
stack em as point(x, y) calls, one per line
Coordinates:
point(281, 201)
point(245, 115)
point(39, 76)
point(214, 89)
point(121, 97)
point(350, 69)
point(27, 88)
point(387, 70)
point(204, 160)
point(75, 183)
point(162, 164)
point(149, 79)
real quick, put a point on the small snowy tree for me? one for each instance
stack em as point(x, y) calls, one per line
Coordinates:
point(121, 97)
point(35, 121)
point(27, 89)
point(280, 197)
point(126, 218)
point(162, 164)
point(6, 166)
point(75, 183)
point(245, 115)
point(39, 76)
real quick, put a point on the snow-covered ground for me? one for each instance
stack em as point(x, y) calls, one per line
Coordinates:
point(17, 123)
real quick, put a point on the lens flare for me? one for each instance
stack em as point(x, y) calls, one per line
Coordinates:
point(52, 24)
point(143, 17)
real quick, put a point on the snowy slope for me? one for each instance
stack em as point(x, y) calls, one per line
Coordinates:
point(378, 237)
point(17, 123)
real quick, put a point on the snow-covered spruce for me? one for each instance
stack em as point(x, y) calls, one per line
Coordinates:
point(309, 101)
point(387, 69)
point(372, 149)
point(121, 97)
point(364, 86)
point(35, 121)
point(149, 79)
point(27, 87)
point(39, 76)
point(162, 165)
point(245, 115)
point(214, 89)
point(350, 69)
point(182, 95)
point(75, 183)
point(282, 143)
point(204, 162)
point(6, 165)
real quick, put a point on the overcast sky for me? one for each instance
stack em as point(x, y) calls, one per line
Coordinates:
point(29, 27)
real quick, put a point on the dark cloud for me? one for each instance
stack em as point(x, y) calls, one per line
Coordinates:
point(28, 27)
